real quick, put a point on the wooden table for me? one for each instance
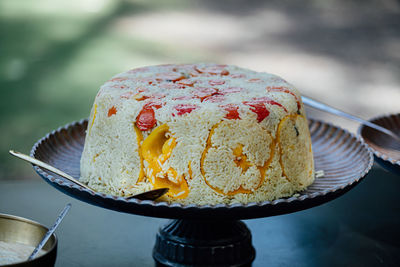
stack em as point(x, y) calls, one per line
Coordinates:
point(361, 228)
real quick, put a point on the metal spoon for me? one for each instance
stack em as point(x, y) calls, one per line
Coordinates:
point(50, 232)
point(148, 195)
point(321, 106)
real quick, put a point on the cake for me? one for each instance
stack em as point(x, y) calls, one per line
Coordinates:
point(210, 133)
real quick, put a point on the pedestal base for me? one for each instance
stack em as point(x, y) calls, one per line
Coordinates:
point(204, 243)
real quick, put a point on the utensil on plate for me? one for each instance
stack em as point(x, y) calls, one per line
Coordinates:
point(321, 106)
point(50, 232)
point(148, 195)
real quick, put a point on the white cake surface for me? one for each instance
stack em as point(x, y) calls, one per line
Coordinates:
point(211, 133)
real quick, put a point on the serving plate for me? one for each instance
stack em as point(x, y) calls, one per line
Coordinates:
point(386, 149)
point(212, 231)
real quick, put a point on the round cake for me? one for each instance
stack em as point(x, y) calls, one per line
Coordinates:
point(210, 133)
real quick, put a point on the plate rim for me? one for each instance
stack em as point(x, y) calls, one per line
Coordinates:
point(340, 189)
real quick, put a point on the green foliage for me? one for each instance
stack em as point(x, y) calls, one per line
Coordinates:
point(53, 58)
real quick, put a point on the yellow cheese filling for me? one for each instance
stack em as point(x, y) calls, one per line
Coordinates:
point(156, 149)
point(94, 117)
point(139, 138)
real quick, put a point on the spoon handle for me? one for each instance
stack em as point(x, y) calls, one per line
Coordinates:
point(47, 167)
point(148, 195)
point(318, 105)
point(50, 232)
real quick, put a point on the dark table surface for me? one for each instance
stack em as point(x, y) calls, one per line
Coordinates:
point(361, 228)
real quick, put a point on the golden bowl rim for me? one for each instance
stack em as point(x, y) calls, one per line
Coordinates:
point(32, 222)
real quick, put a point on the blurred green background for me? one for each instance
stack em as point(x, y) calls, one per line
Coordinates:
point(54, 55)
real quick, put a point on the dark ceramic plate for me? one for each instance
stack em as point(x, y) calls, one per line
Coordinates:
point(386, 149)
point(344, 158)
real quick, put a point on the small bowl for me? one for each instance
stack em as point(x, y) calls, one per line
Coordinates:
point(15, 229)
point(385, 148)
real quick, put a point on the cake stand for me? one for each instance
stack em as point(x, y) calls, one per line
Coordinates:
point(385, 148)
point(212, 235)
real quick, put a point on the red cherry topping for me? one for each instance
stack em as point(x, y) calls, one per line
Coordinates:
point(215, 98)
point(204, 92)
point(146, 118)
point(258, 108)
point(156, 104)
point(269, 101)
point(232, 110)
point(185, 108)
point(284, 90)
point(112, 111)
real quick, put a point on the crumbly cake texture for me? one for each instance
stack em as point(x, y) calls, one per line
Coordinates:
point(211, 133)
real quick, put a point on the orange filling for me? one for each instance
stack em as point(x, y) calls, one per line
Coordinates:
point(112, 111)
point(139, 137)
point(240, 161)
point(190, 170)
point(94, 117)
point(156, 150)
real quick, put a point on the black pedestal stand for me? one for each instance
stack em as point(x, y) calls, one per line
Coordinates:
point(204, 243)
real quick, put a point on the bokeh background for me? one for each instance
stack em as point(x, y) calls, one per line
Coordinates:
point(54, 55)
